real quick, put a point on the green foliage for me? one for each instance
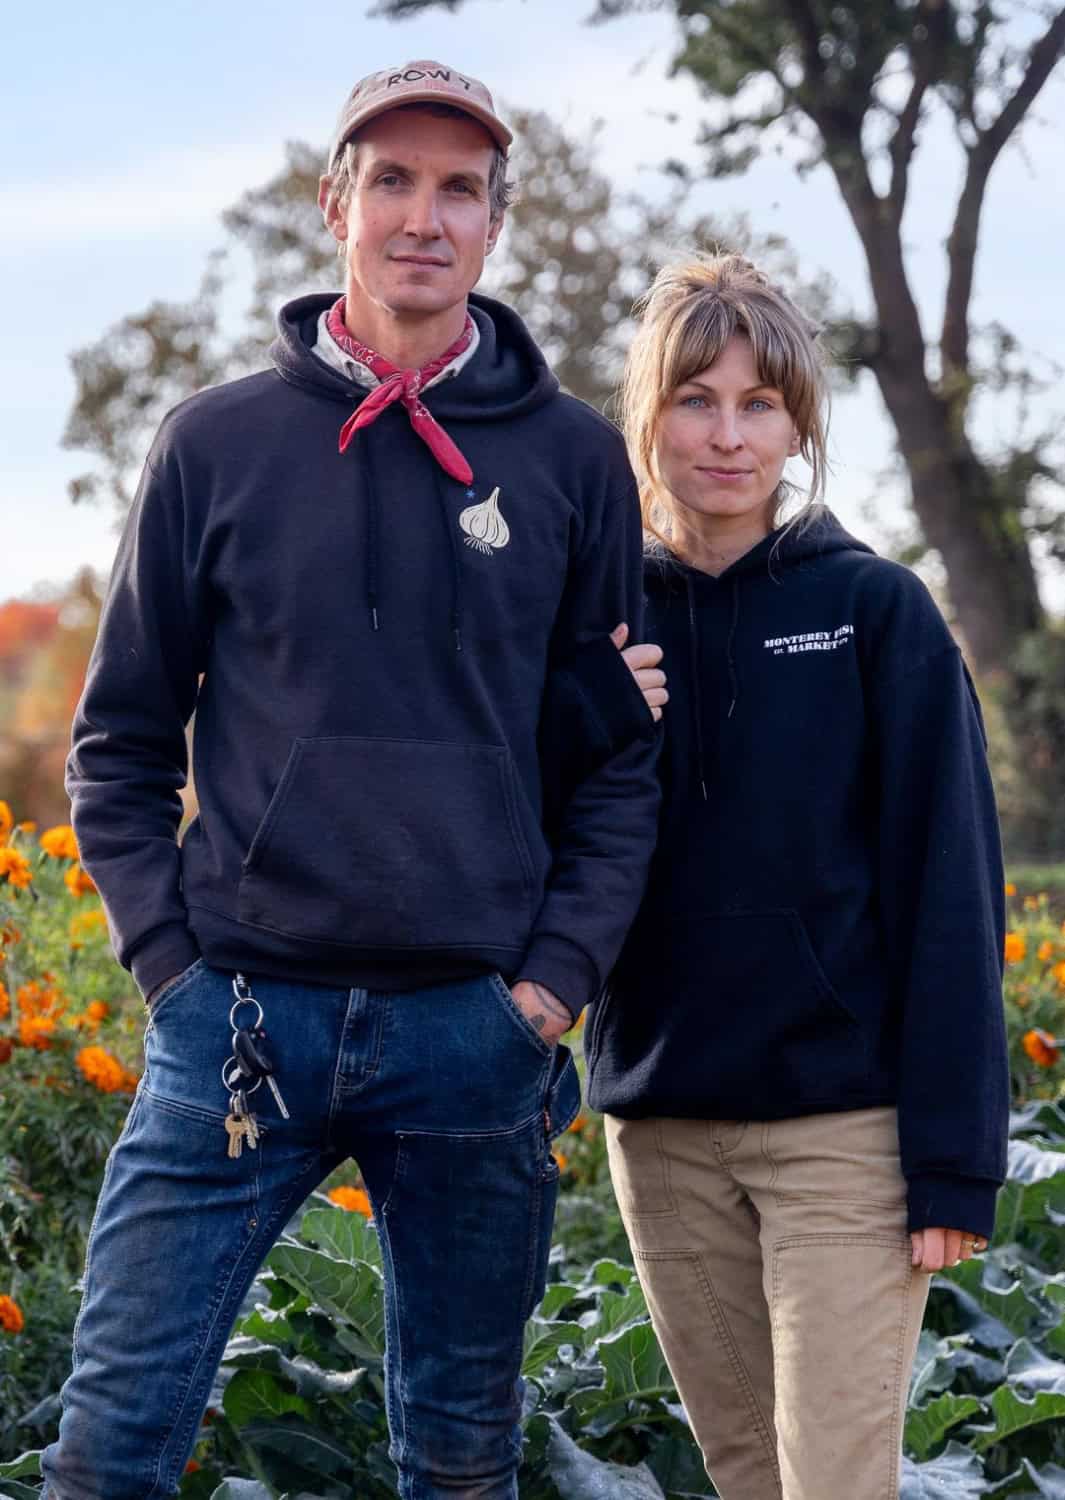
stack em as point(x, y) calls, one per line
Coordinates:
point(298, 1408)
point(69, 1046)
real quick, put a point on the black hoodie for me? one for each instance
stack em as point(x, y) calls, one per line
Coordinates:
point(823, 926)
point(366, 645)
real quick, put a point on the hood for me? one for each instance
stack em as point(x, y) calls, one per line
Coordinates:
point(784, 550)
point(507, 377)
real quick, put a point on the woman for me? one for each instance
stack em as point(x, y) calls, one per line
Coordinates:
point(802, 1055)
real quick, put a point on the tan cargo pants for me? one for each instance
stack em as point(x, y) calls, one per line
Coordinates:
point(776, 1263)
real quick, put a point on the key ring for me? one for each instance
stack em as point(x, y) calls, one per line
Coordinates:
point(240, 1077)
point(244, 996)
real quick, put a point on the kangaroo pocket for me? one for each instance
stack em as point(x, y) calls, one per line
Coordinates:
point(392, 844)
point(729, 1015)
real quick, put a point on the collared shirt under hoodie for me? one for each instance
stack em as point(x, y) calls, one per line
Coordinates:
point(823, 924)
point(374, 641)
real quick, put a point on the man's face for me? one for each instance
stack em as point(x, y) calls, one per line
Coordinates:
point(417, 225)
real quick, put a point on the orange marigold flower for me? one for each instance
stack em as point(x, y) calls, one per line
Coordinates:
point(60, 842)
point(15, 867)
point(6, 822)
point(84, 923)
point(354, 1199)
point(78, 882)
point(102, 1070)
point(1041, 1047)
point(1045, 951)
point(29, 826)
point(5, 1001)
point(578, 1125)
point(36, 1032)
point(1016, 947)
point(1011, 889)
point(9, 935)
point(192, 1467)
point(98, 1010)
point(561, 1159)
point(36, 999)
point(11, 1319)
point(1058, 972)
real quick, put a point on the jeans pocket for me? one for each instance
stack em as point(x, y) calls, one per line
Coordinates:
point(161, 997)
point(518, 1016)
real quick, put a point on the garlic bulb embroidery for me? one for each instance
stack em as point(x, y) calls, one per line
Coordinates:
point(484, 525)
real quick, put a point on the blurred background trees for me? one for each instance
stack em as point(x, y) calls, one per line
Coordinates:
point(853, 88)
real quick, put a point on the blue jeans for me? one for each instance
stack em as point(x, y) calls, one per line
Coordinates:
point(447, 1099)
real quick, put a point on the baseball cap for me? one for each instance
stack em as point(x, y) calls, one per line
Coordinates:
point(416, 83)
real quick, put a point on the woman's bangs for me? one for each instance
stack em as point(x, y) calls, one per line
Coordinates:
point(696, 341)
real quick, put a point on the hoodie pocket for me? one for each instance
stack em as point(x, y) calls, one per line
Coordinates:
point(392, 844)
point(730, 1016)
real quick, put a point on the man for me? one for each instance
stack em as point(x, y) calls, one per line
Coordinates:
point(365, 569)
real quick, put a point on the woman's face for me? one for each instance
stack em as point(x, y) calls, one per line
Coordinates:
point(723, 439)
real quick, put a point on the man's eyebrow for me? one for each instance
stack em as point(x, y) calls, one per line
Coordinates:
point(403, 169)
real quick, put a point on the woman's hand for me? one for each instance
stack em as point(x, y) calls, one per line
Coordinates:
point(935, 1248)
point(642, 662)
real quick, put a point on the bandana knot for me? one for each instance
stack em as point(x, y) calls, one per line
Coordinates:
point(404, 386)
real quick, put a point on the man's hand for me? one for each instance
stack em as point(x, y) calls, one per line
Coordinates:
point(544, 1012)
point(642, 662)
point(935, 1248)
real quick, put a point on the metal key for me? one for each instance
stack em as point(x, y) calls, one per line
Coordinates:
point(254, 1061)
point(251, 1124)
point(236, 1128)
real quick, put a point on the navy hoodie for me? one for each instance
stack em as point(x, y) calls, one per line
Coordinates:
point(366, 645)
point(823, 925)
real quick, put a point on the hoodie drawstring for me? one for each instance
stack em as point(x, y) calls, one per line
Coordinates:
point(697, 694)
point(733, 675)
point(373, 535)
point(456, 565)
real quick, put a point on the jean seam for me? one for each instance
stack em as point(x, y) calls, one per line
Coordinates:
point(262, 1231)
point(340, 1091)
point(396, 1410)
point(728, 1340)
point(126, 1127)
point(894, 1446)
point(533, 1240)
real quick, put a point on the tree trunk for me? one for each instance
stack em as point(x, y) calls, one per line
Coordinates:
point(973, 525)
point(970, 520)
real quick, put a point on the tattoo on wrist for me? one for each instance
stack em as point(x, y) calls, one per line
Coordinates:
point(555, 1007)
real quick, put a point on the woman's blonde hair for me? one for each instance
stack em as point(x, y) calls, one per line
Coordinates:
point(693, 308)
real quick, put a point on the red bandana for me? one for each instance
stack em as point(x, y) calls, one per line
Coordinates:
point(402, 385)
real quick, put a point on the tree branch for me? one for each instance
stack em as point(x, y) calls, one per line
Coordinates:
point(1041, 61)
point(927, 61)
point(961, 247)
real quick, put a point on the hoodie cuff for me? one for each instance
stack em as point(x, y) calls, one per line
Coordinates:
point(165, 952)
point(611, 692)
point(938, 1201)
point(564, 969)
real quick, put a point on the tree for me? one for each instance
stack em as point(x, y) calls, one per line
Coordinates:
point(856, 84)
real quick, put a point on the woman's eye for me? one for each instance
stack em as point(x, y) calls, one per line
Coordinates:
point(693, 401)
point(761, 404)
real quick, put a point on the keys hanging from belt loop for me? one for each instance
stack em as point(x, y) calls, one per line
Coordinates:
point(252, 1063)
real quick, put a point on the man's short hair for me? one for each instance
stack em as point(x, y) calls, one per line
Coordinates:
point(501, 190)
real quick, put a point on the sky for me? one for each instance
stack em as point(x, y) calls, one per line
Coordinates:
point(126, 129)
